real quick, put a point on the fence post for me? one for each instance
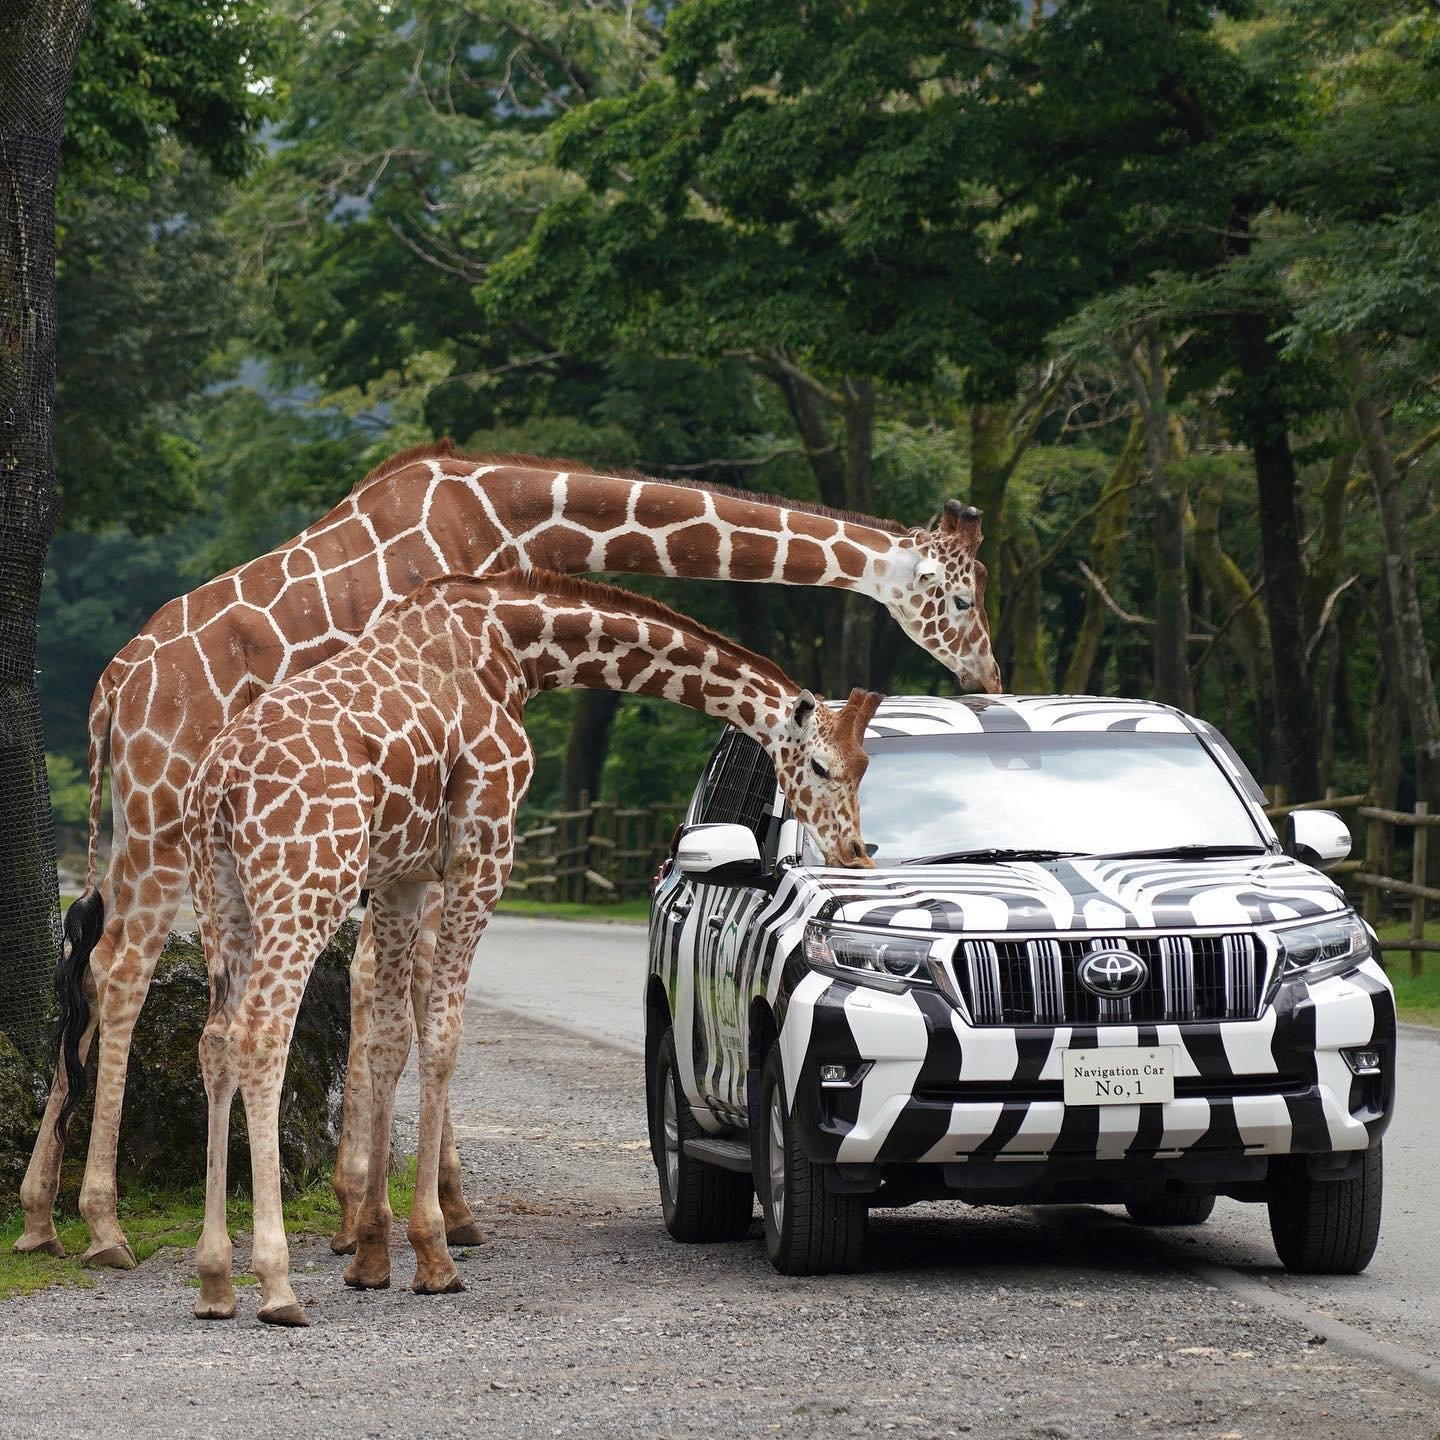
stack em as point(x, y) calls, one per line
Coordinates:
point(1375, 864)
point(1417, 876)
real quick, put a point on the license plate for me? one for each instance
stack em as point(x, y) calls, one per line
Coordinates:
point(1119, 1075)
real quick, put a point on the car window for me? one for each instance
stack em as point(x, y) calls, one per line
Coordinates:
point(741, 788)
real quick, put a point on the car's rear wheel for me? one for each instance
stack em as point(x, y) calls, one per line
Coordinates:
point(1328, 1227)
point(808, 1229)
point(1172, 1210)
point(701, 1203)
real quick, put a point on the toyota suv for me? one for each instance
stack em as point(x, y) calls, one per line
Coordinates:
point(1084, 969)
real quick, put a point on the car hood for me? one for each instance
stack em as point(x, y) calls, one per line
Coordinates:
point(1076, 895)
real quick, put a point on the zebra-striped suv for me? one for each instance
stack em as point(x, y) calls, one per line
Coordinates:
point(1084, 969)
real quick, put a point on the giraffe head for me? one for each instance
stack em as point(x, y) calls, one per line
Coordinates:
point(820, 760)
point(940, 603)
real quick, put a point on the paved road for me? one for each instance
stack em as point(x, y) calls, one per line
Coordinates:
point(591, 977)
point(583, 1319)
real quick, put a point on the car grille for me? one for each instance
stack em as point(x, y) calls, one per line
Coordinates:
point(1035, 982)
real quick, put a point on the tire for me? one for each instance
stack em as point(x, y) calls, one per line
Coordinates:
point(1328, 1227)
point(1172, 1210)
point(808, 1229)
point(701, 1203)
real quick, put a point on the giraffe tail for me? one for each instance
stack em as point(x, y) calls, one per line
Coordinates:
point(84, 925)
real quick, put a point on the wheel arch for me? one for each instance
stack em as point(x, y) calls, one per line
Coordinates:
point(658, 1020)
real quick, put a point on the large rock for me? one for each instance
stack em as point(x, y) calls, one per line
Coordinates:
point(163, 1134)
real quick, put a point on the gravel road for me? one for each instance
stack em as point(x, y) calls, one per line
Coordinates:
point(581, 1317)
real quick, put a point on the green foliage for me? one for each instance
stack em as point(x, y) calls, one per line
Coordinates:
point(69, 790)
point(189, 70)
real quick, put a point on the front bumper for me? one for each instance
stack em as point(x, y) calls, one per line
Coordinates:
point(936, 1091)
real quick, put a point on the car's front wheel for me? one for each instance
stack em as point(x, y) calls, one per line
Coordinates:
point(1328, 1227)
point(700, 1203)
point(808, 1229)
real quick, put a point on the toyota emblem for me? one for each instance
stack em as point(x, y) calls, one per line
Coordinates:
point(1113, 974)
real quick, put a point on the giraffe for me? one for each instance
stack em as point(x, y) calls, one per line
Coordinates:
point(427, 511)
point(402, 758)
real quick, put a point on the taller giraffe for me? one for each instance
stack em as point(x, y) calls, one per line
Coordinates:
point(426, 512)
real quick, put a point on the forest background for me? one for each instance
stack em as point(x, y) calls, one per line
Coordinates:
point(1156, 285)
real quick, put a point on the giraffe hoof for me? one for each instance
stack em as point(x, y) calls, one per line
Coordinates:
point(112, 1257)
point(467, 1234)
point(364, 1282)
point(29, 1245)
point(454, 1285)
point(343, 1244)
point(290, 1314)
point(215, 1309)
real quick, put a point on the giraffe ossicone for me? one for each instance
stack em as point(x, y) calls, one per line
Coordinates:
point(405, 757)
point(426, 512)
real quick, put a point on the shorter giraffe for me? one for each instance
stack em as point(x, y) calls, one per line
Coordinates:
point(399, 761)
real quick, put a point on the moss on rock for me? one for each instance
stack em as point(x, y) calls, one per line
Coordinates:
point(163, 1133)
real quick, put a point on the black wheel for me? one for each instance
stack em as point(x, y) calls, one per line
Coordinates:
point(808, 1229)
point(1328, 1227)
point(701, 1203)
point(1172, 1210)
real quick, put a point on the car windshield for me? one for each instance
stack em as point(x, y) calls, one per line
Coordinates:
point(1087, 794)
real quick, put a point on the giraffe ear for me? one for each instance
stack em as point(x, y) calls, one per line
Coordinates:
point(802, 717)
point(928, 572)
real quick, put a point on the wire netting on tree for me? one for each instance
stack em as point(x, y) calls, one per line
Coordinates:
point(38, 41)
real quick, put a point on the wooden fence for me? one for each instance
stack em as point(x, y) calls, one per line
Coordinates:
point(594, 854)
point(1367, 873)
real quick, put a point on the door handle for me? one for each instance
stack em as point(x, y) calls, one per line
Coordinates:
point(681, 909)
point(714, 922)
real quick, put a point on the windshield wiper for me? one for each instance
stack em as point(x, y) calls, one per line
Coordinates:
point(983, 857)
point(1184, 852)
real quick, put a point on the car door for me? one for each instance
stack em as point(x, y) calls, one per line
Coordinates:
point(744, 794)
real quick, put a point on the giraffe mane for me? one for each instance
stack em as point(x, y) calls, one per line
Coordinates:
point(442, 449)
point(612, 597)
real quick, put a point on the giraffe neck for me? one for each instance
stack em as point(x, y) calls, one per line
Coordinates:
point(579, 638)
point(574, 522)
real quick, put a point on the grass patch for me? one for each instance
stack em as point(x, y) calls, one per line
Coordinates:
point(1417, 997)
point(153, 1219)
point(565, 910)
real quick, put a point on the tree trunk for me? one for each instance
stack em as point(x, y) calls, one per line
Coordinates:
point(588, 744)
point(990, 471)
point(1384, 761)
point(1293, 713)
point(1172, 583)
point(38, 41)
point(1416, 675)
point(1107, 551)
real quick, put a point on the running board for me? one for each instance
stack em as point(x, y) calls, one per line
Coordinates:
point(727, 1154)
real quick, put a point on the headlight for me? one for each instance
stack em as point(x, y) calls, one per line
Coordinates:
point(1324, 947)
point(903, 958)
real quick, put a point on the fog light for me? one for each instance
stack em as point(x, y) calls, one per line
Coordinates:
point(843, 1076)
point(1363, 1062)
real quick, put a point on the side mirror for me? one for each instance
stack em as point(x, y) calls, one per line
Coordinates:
point(1317, 837)
point(719, 854)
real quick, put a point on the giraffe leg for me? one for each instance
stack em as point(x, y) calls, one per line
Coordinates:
point(144, 911)
point(461, 1226)
point(396, 912)
point(226, 931)
point(262, 1076)
point(212, 1254)
point(142, 892)
point(352, 1156)
point(42, 1176)
point(265, 1024)
point(462, 920)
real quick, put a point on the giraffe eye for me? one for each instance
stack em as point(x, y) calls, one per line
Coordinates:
point(962, 602)
point(819, 769)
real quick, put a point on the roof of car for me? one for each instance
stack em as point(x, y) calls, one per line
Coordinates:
point(972, 714)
